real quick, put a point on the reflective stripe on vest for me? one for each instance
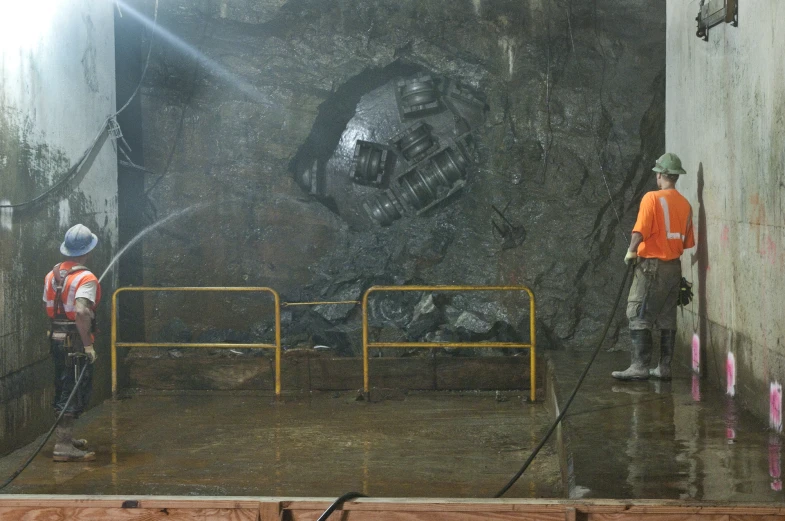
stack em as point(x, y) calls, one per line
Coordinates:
point(69, 305)
point(71, 283)
point(666, 213)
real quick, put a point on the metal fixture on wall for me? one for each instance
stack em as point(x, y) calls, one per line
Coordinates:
point(417, 97)
point(715, 12)
point(371, 163)
point(311, 178)
point(456, 91)
point(510, 235)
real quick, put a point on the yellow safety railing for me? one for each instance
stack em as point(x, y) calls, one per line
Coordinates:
point(531, 346)
point(319, 303)
point(276, 346)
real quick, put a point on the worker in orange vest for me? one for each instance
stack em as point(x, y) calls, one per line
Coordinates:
point(661, 233)
point(71, 295)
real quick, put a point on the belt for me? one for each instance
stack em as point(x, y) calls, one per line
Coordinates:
point(677, 259)
point(67, 326)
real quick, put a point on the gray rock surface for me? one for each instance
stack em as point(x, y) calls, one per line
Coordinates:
point(575, 96)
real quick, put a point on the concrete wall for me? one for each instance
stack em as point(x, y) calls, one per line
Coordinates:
point(57, 87)
point(725, 118)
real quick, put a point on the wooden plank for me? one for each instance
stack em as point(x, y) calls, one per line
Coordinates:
point(127, 514)
point(336, 374)
point(687, 516)
point(142, 502)
point(751, 517)
point(394, 515)
point(202, 373)
point(406, 506)
point(295, 373)
point(708, 510)
point(152, 508)
point(327, 374)
point(431, 505)
point(403, 373)
point(504, 373)
point(270, 511)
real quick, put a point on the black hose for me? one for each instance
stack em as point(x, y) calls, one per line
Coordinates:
point(338, 502)
point(574, 391)
point(48, 434)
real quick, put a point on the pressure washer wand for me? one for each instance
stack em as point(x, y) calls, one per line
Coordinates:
point(574, 391)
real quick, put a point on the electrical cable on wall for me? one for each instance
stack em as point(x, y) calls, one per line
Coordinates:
point(76, 168)
point(109, 123)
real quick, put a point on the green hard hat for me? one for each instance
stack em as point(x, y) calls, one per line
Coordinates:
point(669, 164)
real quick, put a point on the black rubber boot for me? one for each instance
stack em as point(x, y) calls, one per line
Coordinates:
point(641, 357)
point(64, 443)
point(667, 341)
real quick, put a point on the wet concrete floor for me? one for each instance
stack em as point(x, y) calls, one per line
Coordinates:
point(425, 444)
point(663, 440)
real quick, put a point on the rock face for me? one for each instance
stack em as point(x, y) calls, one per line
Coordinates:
point(573, 118)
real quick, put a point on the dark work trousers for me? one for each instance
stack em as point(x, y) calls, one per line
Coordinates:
point(654, 294)
point(65, 377)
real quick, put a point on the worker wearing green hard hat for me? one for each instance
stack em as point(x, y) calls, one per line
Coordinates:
point(661, 233)
point(669, 164)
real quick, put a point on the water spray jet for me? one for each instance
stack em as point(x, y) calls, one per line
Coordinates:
point(189, 50)
point(144, 232)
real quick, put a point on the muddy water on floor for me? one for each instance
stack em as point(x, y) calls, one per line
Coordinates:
point(421, 445)
point(683, 439)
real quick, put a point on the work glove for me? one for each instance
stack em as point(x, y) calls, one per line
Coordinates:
point(631, 257)
point(90, 352)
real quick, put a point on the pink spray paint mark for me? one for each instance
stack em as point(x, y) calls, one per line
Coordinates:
point(730, 375)
point(696, 388)
point(724, 237)
point(696, 353)
point(775, 462)
point(775, 407)
point(731, 418)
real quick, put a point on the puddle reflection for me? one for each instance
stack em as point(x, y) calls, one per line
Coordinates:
point(775, 462)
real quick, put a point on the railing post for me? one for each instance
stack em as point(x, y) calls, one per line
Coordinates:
point(113, 342)
point(366, 388)
point(533, 348)
point(277, 343)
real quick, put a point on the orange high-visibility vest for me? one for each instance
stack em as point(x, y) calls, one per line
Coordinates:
point(665, 222)
point(71, 281)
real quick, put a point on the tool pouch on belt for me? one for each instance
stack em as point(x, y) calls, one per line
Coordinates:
point(65, 333)
point(685, 292)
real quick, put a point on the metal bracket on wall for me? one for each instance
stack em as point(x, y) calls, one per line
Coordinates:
point(715, 12)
